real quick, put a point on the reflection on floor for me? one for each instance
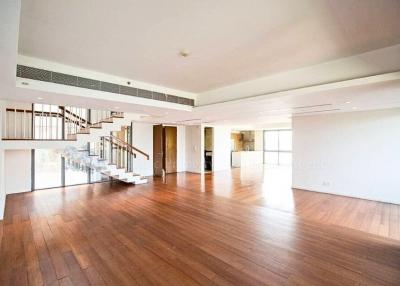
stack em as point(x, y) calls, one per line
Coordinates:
point(195, 230)
point(271, 186)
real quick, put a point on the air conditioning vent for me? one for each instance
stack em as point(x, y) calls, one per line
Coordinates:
point(72, 80)
point(312, 106)
point(65, 79)
point(315, 111)
point(33, 73)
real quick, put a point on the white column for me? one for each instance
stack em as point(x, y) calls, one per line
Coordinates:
point(9, 23)
point(2, 178)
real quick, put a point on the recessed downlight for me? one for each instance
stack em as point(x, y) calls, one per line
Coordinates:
point(40, 98)
point(348, 102)
point(184, 53)
point(354, 108)
point(116, 107)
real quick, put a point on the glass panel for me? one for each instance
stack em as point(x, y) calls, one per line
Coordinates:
point(285, 140)
point(75, 174)
point(96, 176)
point(271, 158)
point(271, 140)
point(285, 158)
point(47, 168)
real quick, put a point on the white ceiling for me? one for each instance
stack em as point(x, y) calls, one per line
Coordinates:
point(230, 41)
point(378, 92)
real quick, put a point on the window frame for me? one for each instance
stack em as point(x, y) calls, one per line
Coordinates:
point(278, 150)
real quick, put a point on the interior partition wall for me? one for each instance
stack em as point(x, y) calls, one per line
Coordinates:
point(278, 147)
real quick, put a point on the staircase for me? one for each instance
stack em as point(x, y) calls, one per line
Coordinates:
point(110, 157)
point(50, 126)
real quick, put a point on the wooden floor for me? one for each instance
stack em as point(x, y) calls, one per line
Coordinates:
point(271, 187)
point(229, 228)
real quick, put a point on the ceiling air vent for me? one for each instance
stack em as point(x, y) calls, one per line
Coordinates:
point(72, 80)
point(315, 111)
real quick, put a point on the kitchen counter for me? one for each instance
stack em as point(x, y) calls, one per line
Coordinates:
point(247, 158)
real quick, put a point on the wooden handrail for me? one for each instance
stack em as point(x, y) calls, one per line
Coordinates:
point(126, 145)
point(131, 146)
point(71, 123)
point(75, 115)
point(19, 110)
point(35, 112)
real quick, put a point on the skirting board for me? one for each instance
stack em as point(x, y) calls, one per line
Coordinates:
point(347, 196)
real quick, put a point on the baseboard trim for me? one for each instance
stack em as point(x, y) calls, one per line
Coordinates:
point(346, 196)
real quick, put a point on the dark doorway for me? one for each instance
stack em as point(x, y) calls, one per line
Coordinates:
point(208, 149)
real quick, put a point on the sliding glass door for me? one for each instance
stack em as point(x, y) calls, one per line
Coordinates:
point(51, 170)
point(278, 147)
point(75, 174)
point(47, 171)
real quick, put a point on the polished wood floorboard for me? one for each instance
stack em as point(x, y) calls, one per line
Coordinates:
point(271, 187)
point(226, 228)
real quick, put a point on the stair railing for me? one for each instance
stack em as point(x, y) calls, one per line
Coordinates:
point(117, 152)
point(18, 123)
point(52, 122)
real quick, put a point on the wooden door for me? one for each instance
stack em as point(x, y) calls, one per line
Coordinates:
point(170, 149)
point(158, 150)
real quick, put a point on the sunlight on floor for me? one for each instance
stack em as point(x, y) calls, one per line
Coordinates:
point(276, 188)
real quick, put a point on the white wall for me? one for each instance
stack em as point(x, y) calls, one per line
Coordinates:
point(258, 140)
point(194, 149)
point(9, 26)
point(2, 178)
point(181, 149)
point(142, 138)
point(353, 154)
point(17, 171)
point(222, 148)
point(2, 185)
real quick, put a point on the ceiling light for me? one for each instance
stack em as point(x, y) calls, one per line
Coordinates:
point(116, 107)
point(40, 98)
point(347, 102)
point(354, 107)
point(184, 53)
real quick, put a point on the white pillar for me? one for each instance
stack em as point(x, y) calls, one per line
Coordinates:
point(9, 28)
point(2, 178)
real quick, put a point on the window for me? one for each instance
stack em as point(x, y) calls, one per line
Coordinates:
point(48, 168)
point(75, 174)
point(278, 147)
point(52, 170)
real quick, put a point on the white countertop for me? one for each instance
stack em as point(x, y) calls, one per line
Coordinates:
point(247, 158)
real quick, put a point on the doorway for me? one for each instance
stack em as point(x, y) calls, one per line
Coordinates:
point(164, 149)
point(208, 149)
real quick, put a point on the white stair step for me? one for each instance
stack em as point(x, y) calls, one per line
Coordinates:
point(127, 175)
point(141, 181)
point(113, 172)
point(135, 180)
point(111, 167)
